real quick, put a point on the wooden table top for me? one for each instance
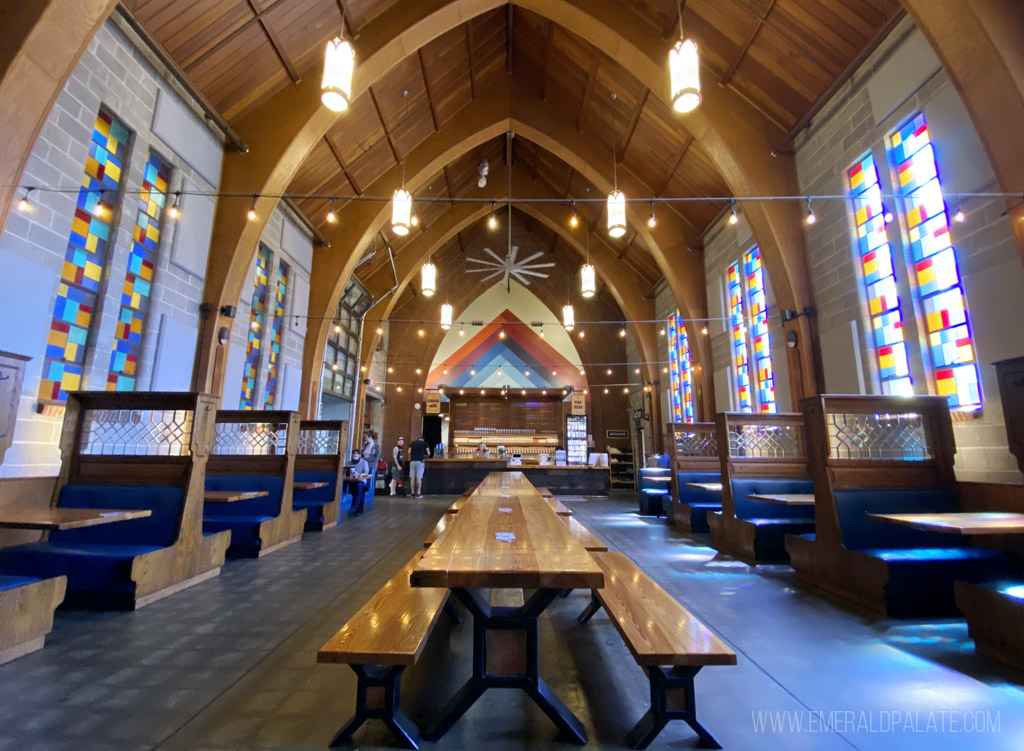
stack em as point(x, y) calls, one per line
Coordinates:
point(230, 496)
point(502, 539)
point(657, 478)
point(440, 527)
point(557, 506)
point(59, 519)
point(587, 538)
point(712, 487)
point(785, 499)
point(960, 523)
point(309, 485)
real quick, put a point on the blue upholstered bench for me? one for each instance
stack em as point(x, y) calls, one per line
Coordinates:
point(315, 499)
point(922, 565)
point(773, 521)
point(243, 518)
point(98, 560)
point(652, 496)
point(697, 502)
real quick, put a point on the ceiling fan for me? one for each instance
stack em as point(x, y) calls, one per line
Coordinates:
point(510, 266)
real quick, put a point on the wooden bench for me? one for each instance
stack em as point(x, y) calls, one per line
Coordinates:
point(584, 535)
point(664, 639)
point(459, 503)
point(442, 525)
point(379, 642)
point(26, 613)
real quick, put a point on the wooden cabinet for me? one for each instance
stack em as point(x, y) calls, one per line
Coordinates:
point(12, 373)
point(1010, 374)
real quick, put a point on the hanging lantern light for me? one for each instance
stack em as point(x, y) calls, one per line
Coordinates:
point(684, 70)
point(616, 213)
point(401, 212)
point(568, 317)
point(588, 281)
point(428, 279)
point(336, 85)
point(446, 316)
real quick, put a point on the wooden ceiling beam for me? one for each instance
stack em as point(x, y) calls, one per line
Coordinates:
point(589, 91)
point(426, 88)
point(472, 62)
point(448, 185)
point(344, 168)
point(384, 125)
point(275, 41)
point(760, 21)
point(679, 161)
point(633, 122)
point(547, 59)
point(508, 37)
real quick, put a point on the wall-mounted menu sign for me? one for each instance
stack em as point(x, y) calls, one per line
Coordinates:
point(617, 433)
point(578, 405)
point(433, 403)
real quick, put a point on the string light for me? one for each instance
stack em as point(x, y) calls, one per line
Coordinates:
point(414, 220)
point(652, 221)
point(959, 215)
point(582, 333)
point(421, 332)
point(332, 218)
point(501, 334)
point(380, 331)
point(609, 371)
point(492, 220)
point(251, 213)
point(174, 212)
point(574, 219)
point(97, 210)
point(734, 218)
point(606, 391)
point(811, 218)
point(622, 333)
point(661, 332)
point(582, 372)
point(337, 329)
point(462, 332)
point(23, 204)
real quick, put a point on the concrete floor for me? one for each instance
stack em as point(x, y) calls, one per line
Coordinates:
point(230, 664)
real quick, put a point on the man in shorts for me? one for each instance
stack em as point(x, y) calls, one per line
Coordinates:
point(418, 453)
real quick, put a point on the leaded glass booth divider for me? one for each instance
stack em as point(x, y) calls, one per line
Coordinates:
point(760, 454)
point(885, 454)
point(321, 458)
point(158, 442)
point(694, 447)
point(254, 451)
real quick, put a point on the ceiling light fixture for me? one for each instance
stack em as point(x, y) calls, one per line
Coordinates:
point(684, 72)
point(339, 64)
point(492, 220)
point(428, 279)
point(446, 316)
point(568, 318)
point(332, 218)
point(574, 218)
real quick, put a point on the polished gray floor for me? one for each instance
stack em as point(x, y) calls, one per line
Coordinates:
point(230, 664)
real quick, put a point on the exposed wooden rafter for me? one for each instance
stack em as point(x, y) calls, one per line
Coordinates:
point(275, 41)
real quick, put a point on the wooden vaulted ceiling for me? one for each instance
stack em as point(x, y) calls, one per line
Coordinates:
point(779, 55)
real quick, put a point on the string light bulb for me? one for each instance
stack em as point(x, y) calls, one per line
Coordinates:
point(251, 213)
point(622, 333)
point(97, 210)
point(492, 220)
point(380, 331)
point(652, 220)
point(501, 334)
point(23, 204)
point(574, 218)
point(174, 212)
point(336, 84)
point(811, 217)
point(582, 333)
point(734, 218)
point(959, 216)
point(414, 220)
point(462, 332)
point(332, 218)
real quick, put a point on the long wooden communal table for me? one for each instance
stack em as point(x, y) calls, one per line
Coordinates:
point(507, 537)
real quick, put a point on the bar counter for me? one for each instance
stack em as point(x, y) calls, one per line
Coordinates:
point(453, 476)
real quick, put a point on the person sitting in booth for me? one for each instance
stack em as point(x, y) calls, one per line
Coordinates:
point(359, 473)
point(481, 451)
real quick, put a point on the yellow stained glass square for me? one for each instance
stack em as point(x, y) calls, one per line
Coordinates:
point(70, 381)
point(93, 270)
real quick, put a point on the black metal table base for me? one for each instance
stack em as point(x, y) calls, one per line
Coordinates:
point(673, 697)
point(524, 676)
point(377, 696)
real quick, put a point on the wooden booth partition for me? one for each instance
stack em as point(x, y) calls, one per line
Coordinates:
point(694, 447)
point(885, 455)
point(255, 451)
point(145, 451)
point(760, 454)
point(320, 457)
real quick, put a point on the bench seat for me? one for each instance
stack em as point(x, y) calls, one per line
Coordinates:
point(664, 639)
point(27, 604)
point(245, 530)
point(691, 515)
point(652, 501)
point(384, 637)
point(995, 618)
point(316, 500)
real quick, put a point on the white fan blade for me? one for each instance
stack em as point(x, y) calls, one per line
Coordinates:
point(538, 266)
point(498, 258)
point(522, 280)
point(491, 275)
point(512, 254)
point(525, 261)
point(531, 273)
point(487, 263)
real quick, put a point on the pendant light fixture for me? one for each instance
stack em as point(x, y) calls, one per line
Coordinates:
point(428, 274)
point(684, 72)
point(339, 64)
point(446, 316)
point(588, 277)
point(401, 209)
point(568, 317)
point(616, 202)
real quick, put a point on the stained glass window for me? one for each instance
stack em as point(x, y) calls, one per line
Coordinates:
point(739, 338)
point(944, 306)
point(879, 278)
point(687, 373)
point(254, 345)
point(759, 329)
point(138, 280)
point(675, 374)
point(85, 259)
point(276, 328)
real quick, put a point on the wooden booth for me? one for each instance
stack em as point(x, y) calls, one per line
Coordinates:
point(320, 462)
point(253, 455)
point(694, 462)
point(763, 460)
point(875, 456)
point(145, 454)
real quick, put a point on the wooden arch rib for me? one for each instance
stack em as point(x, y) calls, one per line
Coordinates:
point(284, 130)
point(47, 37)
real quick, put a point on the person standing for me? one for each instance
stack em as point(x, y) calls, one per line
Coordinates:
point(370, 450)
point(397, 455)
point(418, 453)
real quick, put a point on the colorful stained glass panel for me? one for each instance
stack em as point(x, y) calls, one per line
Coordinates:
point(84, 260)
point(681, 393)
point(276, 329)
point(138, 280)
point(739, 339)
point(946, 318)
point(254, 343)
point(759, 330)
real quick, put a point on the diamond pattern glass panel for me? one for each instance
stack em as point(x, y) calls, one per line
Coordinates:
point(767, 441)
point(739, 338)
point(250, 438)
point(319, 442)
point(136, 432)
point(878, 437)
point(944, 305)
point(696, 442)
point(276, 328)
point(254, 344)
point(138, 280)
point(880, 278)
point(85, 259)
point(759, 329)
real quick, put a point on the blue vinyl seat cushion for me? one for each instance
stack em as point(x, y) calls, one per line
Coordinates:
point(245, 529)
point(315, 499)
point(860, 532)
point(13, 582)
point(89, 567)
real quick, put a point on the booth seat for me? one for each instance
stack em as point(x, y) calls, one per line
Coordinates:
point(695, 503)
point(314, 500)
point(922, 565)
point(995, 618)
point(243, 518)
point(28, 603)
point(772, 521)
point(99, 559)
point(653, 496)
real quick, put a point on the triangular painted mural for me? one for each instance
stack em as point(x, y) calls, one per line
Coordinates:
point(490, 360)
